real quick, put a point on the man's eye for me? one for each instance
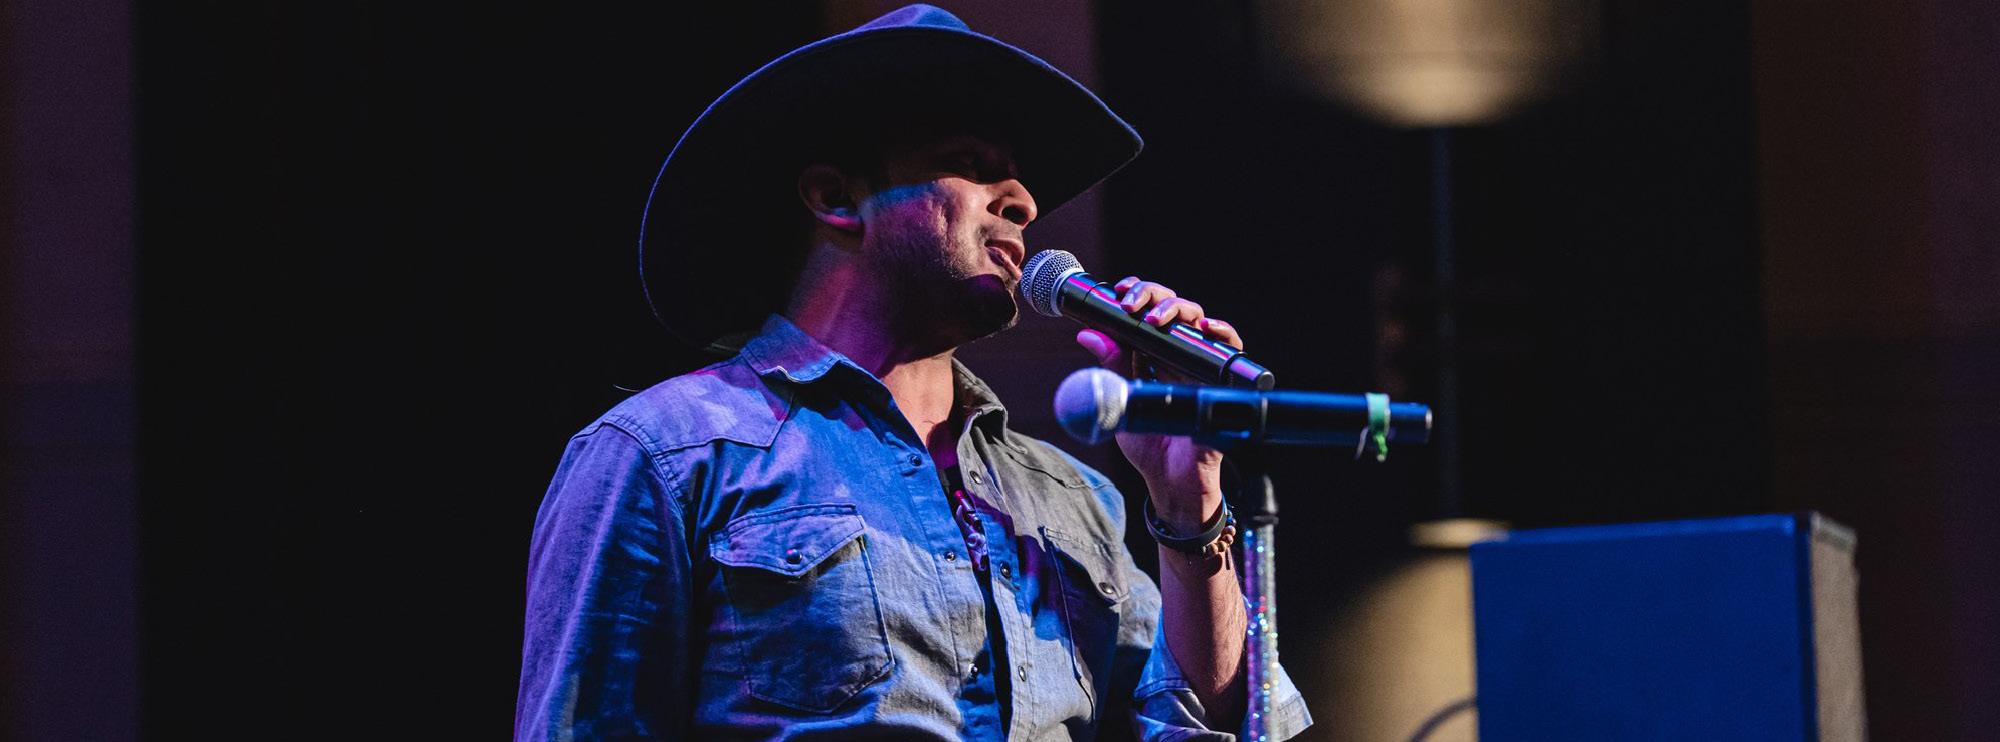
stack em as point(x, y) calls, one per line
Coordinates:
point(965, 163)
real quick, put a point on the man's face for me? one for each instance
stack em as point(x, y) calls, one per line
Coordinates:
point(945, 228)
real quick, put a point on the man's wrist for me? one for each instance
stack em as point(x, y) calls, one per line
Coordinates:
point(1185, 511)
point(1211, 538)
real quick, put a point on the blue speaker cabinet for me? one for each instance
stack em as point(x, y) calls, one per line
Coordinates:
point(1717, 629)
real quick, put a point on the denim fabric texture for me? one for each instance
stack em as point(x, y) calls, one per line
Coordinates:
point(761, 550)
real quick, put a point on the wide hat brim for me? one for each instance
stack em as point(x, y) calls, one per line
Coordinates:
point(720, 239)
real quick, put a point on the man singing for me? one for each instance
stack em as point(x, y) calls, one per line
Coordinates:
point(833, 534)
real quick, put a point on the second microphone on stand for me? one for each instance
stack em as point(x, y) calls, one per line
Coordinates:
point(1093, 403)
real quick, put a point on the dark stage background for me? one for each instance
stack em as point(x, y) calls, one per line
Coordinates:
point(302, 301)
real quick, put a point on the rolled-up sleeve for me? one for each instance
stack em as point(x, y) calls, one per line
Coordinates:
point(606, 556)
point(1166, 709)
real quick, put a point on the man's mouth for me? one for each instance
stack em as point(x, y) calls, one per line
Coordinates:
point(1008, 252)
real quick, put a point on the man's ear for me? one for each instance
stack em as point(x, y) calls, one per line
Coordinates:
point(830, 195)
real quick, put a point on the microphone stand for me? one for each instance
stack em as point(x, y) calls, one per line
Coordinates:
point(1259, 511)
point(1237, 427)
point(1260, 585)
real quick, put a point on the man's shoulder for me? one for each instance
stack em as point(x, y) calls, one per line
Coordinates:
point(1052, 460)
point(1078, 500)
point(724, 401)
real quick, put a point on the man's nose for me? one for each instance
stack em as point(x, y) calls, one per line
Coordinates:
point(1011, 201)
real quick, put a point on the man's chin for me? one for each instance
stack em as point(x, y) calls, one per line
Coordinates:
point(991, 319)
point(990, 305)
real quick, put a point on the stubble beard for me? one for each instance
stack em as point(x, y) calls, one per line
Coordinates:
point(943, 292)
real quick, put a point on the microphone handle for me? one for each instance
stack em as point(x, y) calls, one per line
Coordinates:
point(1178, 344)
point(1272, 417)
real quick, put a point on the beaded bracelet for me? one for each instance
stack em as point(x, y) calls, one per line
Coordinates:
point(1214, 539)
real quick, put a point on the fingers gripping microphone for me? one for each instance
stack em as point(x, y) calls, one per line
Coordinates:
point(1054, 283)
point(1093, 403)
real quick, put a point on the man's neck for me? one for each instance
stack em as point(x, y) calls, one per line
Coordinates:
point(918, 379)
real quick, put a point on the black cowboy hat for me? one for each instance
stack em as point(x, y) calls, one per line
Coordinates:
point(722, 235)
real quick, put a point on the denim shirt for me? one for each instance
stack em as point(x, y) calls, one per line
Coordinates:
point(761, 550)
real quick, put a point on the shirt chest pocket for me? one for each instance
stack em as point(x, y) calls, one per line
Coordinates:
point(799, 618)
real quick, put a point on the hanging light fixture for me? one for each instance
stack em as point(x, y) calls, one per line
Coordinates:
point(1429, 63)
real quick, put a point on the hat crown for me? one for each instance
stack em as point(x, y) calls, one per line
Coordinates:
point(922, 16)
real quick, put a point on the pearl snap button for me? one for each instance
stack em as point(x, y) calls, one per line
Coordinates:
point(794, 557)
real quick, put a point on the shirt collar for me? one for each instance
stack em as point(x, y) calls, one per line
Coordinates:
point(976, 400)
point(781, 347)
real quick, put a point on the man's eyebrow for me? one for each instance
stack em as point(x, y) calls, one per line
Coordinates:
point(964, 141)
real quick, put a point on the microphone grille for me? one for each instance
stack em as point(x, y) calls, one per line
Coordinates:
point(1090, 404)
point(1042, 275)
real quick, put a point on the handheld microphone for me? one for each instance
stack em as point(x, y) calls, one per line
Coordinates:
point(1054, 284)
point(1093, 403)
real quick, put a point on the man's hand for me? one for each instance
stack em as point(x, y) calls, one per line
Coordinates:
point(1202, 606)
point(1183, 477)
